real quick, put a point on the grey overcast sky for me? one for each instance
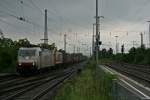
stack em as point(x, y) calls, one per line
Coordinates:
point(125, 18)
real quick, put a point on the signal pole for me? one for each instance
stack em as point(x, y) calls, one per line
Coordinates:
point(65, 42)
point(116, 44)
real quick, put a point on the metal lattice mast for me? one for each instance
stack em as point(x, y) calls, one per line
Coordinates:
point(45, 29)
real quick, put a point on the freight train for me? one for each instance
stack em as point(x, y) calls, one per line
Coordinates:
point(33, 59)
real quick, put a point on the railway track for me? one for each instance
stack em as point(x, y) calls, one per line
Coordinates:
point(141, 74)
point(33, 88)
point(8, 77)
point(145, 69)
point(22, 80)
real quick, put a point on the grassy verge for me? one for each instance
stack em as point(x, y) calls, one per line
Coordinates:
point(87, 86)
point(105, 61)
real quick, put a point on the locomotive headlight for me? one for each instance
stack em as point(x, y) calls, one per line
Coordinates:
point(33, 63)
point(19, 64)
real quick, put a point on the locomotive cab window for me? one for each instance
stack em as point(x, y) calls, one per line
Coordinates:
point(27, 53)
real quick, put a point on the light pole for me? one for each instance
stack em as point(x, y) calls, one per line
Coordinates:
point(65, 42)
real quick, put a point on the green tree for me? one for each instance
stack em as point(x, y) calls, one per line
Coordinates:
point(6, 42)
point(23, 42)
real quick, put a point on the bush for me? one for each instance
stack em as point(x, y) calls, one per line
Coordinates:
point(7, 59)
point(135, 55)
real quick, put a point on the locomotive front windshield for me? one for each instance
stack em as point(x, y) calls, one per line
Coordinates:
point(25, 53)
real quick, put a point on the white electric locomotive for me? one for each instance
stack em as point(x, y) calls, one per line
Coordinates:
point(34, 58)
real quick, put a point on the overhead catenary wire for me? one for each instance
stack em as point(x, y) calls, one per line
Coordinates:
point(61, 18)
point(3, 6)
point(49, 18)
point(20, 19)
point(10, 24)
point(41, 11)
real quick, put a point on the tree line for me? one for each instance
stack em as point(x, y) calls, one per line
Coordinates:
point(139, 55)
